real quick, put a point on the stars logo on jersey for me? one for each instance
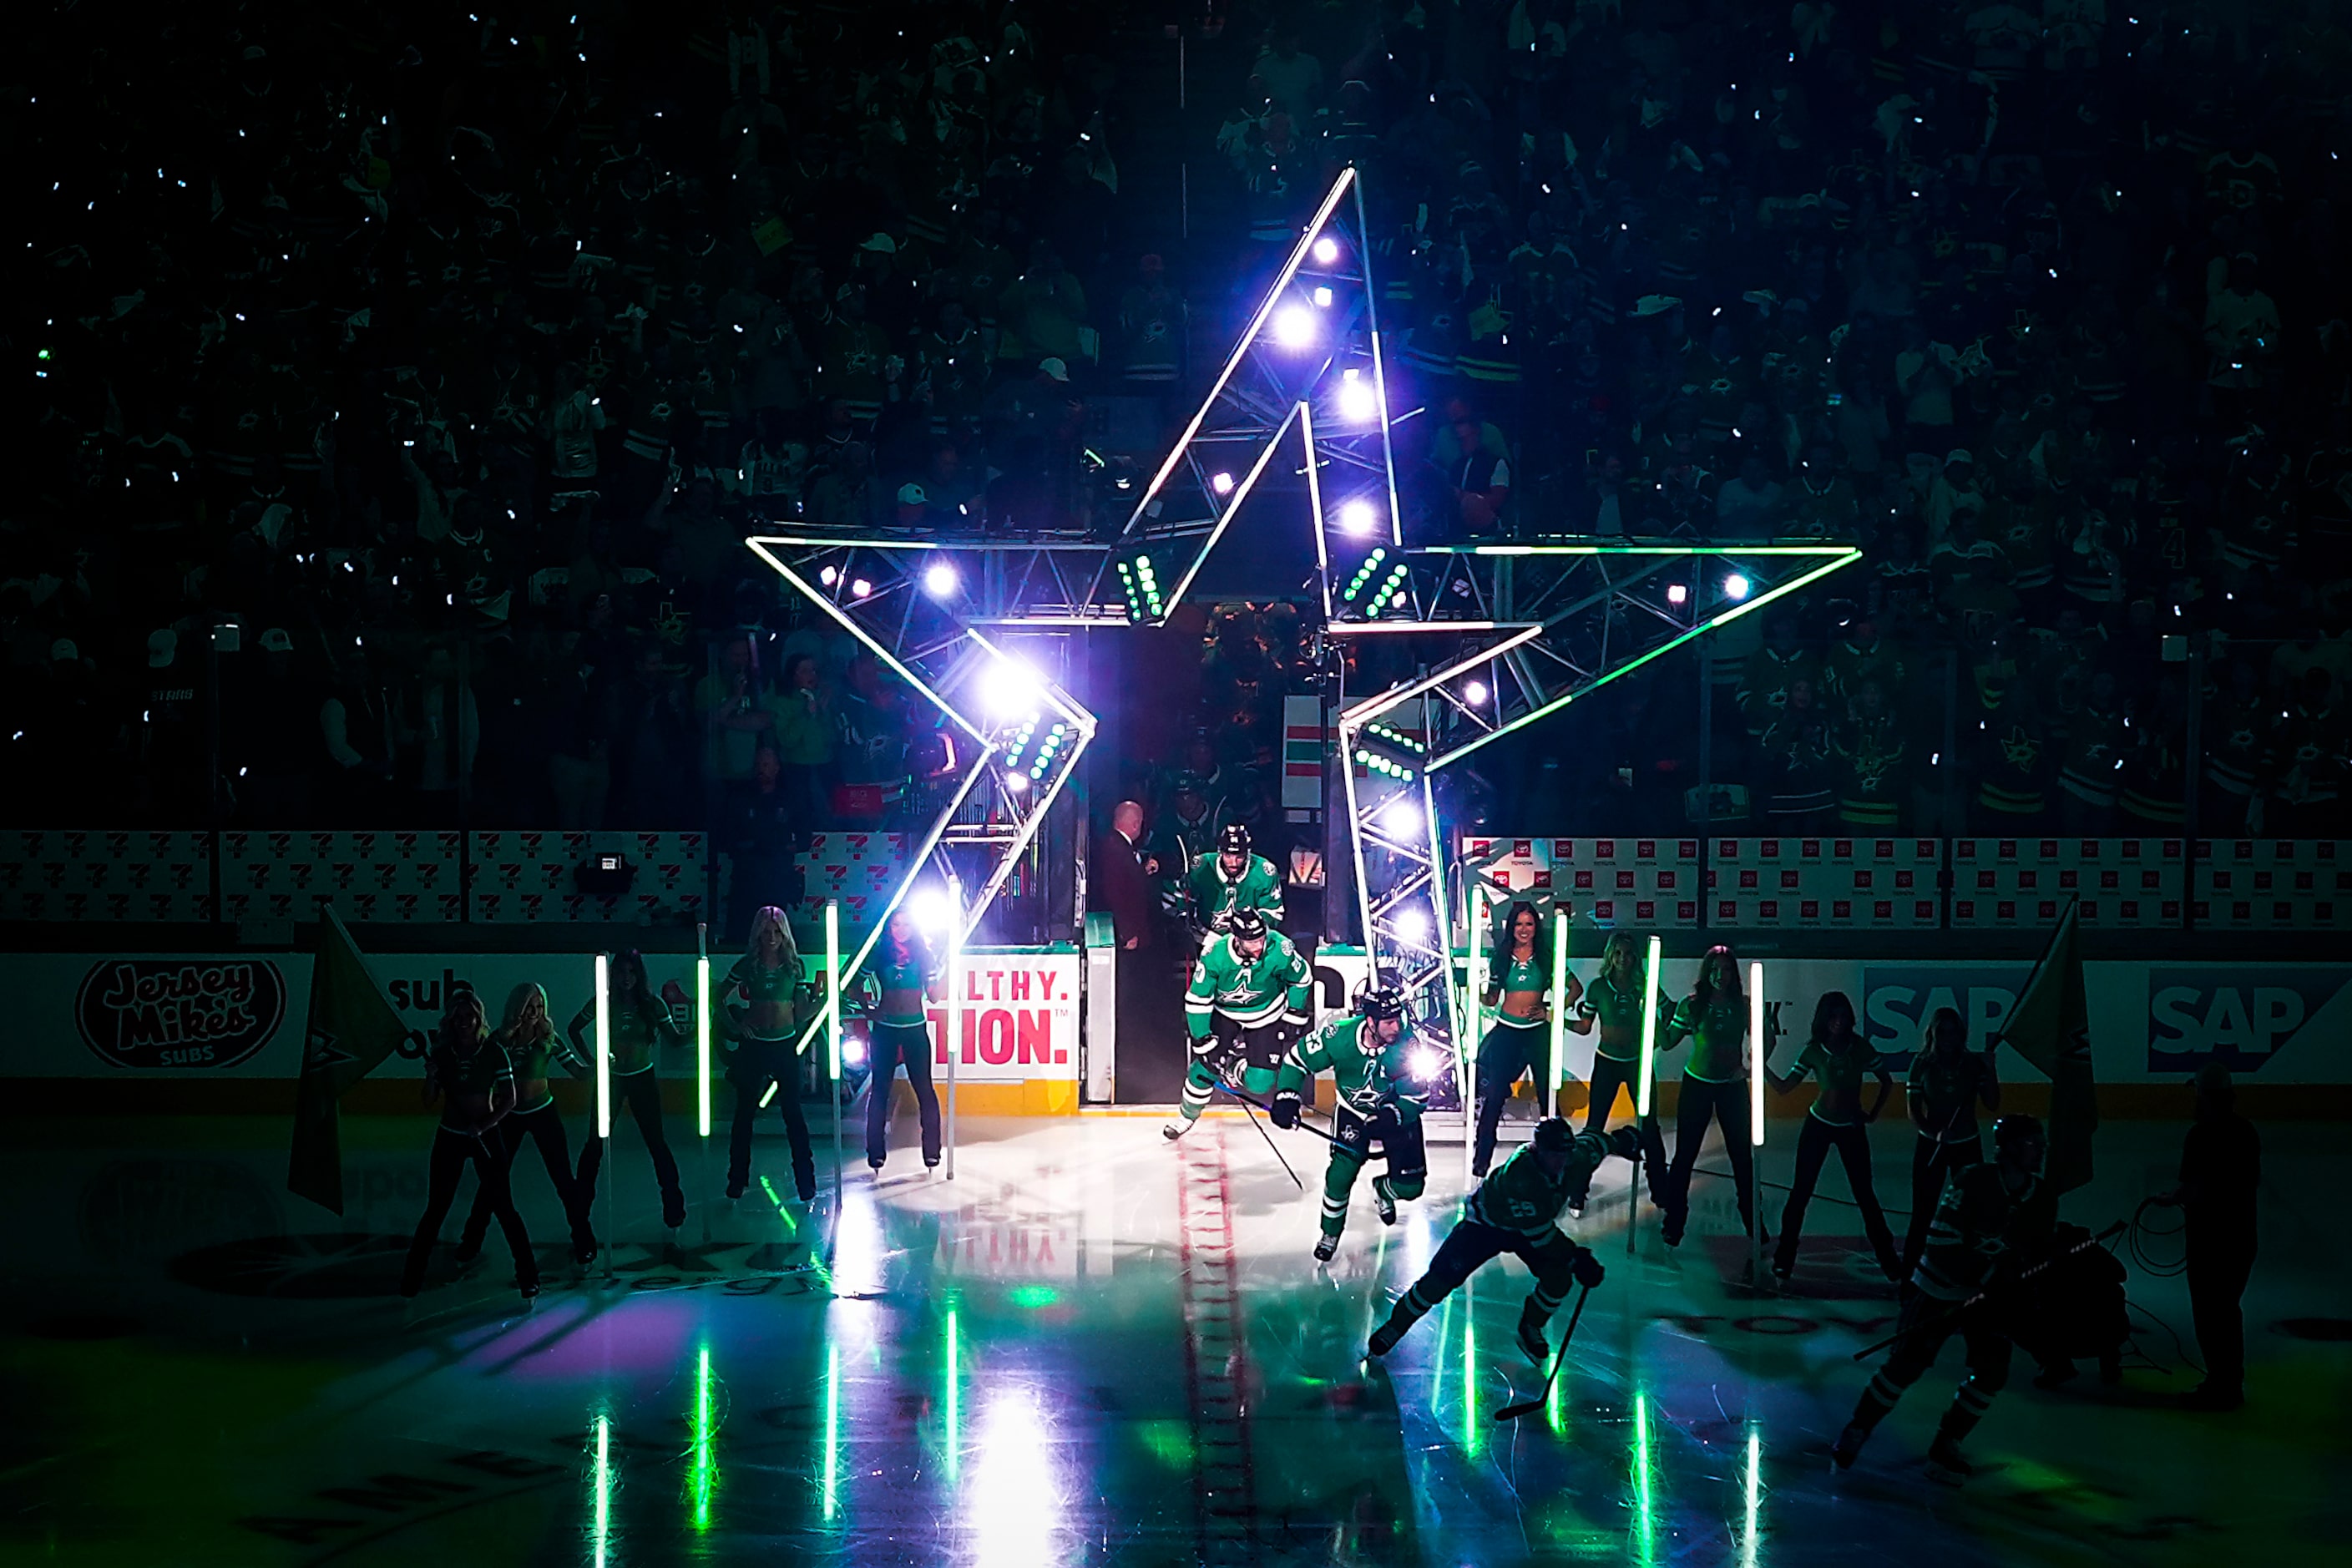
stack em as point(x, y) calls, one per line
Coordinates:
point(2019, 750)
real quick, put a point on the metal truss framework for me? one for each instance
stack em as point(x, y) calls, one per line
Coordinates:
point(1558, 620)
point(1497, 635)
point(1309, 358)
point(1013, 736)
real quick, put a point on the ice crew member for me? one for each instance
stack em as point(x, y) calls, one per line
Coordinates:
point(1987, 1217)
point(1513, 1211)
point(1220, 886)
point(1364, 1052)
point(1247, 1002)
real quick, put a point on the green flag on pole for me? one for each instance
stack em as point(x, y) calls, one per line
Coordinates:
point(2051, 1029)
point(352, 1027)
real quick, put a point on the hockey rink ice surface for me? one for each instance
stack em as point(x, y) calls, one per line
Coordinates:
point(1090, 1347)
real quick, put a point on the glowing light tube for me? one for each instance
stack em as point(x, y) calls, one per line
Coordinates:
point(1755, 1053)
point(604, 1047)
point(1650, 1025)
point(702, 1032)
point(833, 985)
point(1559, 917)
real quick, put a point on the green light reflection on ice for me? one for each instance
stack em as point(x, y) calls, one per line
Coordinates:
point(783, 1213)
point(1030, 1298)
point(603, 1488)
point(1644, 1524)
point(832, 1429)
point(1747, 1540)
point(1474, 1439)
point(954, 1401)
point(703, 1479)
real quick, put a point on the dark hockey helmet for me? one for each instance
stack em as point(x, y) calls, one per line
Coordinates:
point(2021, 1134)
point(1233, 839)
point(1245, 925)
point(1382, 1002)
point(1553, 1136)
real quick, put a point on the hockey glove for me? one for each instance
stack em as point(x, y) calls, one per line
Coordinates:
point(1586, 1268)
point(1284, 1111)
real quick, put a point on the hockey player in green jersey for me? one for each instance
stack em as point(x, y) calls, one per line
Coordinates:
point(1513, 1211)
point(1364, 1052)
point(1247, 1002)
point(1221, 885)
point(1988, 1218)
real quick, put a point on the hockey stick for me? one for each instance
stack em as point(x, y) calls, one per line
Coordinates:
point(1246, 1103)
point(1513, 1412)
point(1305, 1126)
point(1942, 1317)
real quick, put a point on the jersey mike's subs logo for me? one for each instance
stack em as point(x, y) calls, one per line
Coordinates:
point(150, 1013)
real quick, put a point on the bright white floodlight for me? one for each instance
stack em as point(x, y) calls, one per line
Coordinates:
point(1413, 925)
point(1402, 818)
point(1009, 687)
point(1357, 403)
point(1473, 692)
point(930, 909)
point(1735, 586)
point(1221, 483)
point(1357, 518)
point(1294, 327)
point(1327, 251)
point(940, 580)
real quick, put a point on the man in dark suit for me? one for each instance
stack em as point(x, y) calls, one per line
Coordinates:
point(1119, 857)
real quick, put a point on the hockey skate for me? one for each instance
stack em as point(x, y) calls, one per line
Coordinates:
point(1383, 1201)
point(1944, 1462)
point(1849, 1445)
point(1326, 1248)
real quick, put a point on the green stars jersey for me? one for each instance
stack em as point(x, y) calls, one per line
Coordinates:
point(1717, 1029)
point(1276, 986)
point(636, 1031)
point(1259, 888)
point(1619, 1008)
point(1978, 1221)
point(1361, 1070)
point(1520, 1196)
point(462, 1075)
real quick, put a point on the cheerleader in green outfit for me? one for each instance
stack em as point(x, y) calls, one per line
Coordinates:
point(1519, 992)
point(641, 1022)
point(531, 1043)
point(765, 1029)
point(902, 973)
point(1839, 1059)
point(467, 1071)
point(1714, 1018)
point(1613, 1002)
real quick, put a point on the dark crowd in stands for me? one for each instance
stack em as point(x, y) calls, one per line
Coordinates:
point(449, 359)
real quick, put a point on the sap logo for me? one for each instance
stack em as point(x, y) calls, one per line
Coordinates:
point(2238, 1017)
point(1898, 999)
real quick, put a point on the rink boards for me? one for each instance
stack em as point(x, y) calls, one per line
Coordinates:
point(190, 1018)
point(1030, 1018)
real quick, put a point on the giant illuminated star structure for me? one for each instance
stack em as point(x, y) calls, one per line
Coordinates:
point(1439, 649)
